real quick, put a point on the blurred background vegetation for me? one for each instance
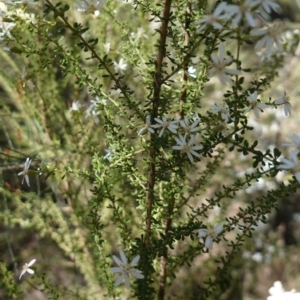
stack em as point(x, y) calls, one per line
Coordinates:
point(51, 219)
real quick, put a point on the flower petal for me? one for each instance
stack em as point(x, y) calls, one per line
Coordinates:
point(116, 270)
point(119, 280)
point(190, 157)
point(117, 260)
point(127, 282)
point(218, 229)
point(137, 273)
point(123, 257)
point(203, 232)
point(31, 262)
point(208, 242)
point(22, 273)
point(297, 175)
point(135, 261)
point(26, 179)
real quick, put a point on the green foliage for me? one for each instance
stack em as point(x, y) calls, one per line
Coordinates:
point(85, 98)
point(8, 283)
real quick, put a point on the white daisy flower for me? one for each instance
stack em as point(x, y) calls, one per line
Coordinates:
point(164, 124)
point(255, 104)
point(285, 100)
point(219, 66)
point(26, 268)
point(125, 269)
point(210, 234)
point(187, 147)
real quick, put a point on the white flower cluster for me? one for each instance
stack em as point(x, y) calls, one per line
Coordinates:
point(254, 104)
point(186, 139)
point(126, 270)
point(271, 35)
point(5, 27)
point(93, 110)
point(234, 13)
point(8, 11)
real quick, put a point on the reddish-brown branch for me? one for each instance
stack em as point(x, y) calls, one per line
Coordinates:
point(164, 259)
point(157, 82)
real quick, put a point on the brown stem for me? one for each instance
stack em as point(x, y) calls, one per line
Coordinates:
point(164, 258)
point(157, 82)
